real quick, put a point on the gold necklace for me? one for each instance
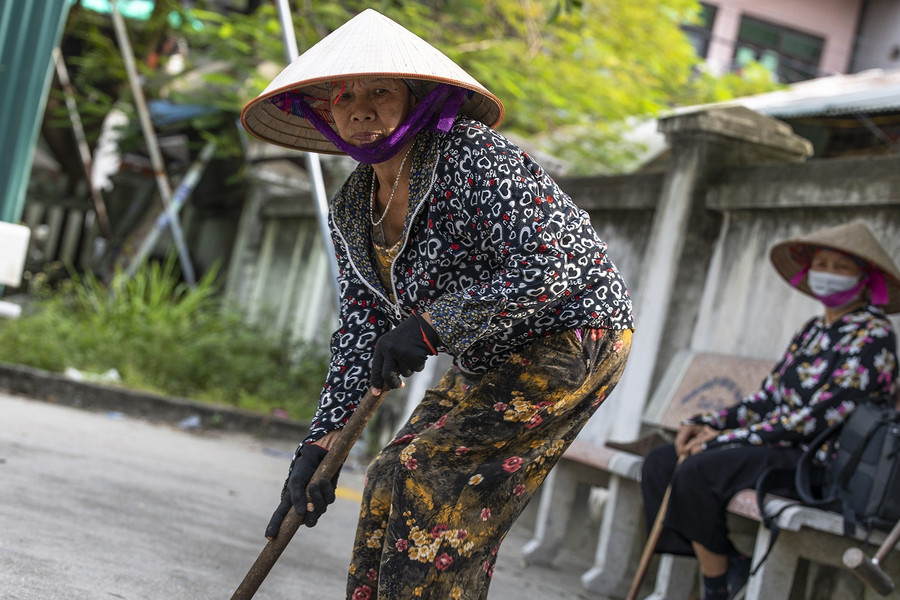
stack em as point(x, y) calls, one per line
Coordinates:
point(393, 190)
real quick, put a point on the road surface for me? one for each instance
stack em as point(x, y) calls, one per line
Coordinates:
point(100, 506)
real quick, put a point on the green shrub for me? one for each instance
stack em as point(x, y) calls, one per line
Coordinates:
point(166, 337)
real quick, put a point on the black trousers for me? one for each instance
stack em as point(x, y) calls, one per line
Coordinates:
point(702, 487)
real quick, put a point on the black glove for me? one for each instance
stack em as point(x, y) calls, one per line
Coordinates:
point(401, 351)
point(321, 493)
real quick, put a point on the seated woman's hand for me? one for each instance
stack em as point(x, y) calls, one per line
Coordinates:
point(695, 444)
point(684, 435)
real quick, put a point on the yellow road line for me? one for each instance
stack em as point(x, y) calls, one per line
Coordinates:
point(348, 494)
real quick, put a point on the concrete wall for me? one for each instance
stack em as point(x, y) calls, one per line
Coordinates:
point(621, 209)
point(691, 242)
point(278, 267)
point(747, 307)
point(726, 296)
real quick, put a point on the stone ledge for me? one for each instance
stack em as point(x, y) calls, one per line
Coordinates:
point(773, 139)
point(55, 388)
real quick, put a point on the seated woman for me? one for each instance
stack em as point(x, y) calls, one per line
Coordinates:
point(838, 359)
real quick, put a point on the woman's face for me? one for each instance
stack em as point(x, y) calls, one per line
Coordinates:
point(832, 261)
point(368, 110)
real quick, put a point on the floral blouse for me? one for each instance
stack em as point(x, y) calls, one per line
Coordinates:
point(492, 248)
point(825, 372)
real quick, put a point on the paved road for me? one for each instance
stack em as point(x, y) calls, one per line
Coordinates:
point(98, 506)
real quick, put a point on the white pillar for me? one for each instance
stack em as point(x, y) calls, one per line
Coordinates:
point(702, 144)
point(667, 235)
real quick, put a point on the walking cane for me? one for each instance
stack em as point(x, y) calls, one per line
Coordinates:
point(652, 539)
point(870, 571)
point(327, 469)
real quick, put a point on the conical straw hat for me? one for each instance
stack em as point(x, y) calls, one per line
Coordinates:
point(791, 256)
point(368, 45)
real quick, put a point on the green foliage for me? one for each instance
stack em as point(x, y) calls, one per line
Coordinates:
point(231, 58)
point(578, 66)
point(165, 337)
point(556, 62)
point(705, 88)
point(217, 74)
point(572, 73)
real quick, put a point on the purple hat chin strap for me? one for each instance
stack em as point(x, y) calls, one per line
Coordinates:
point(878, 288)
point(797, 279)
point(437, 110)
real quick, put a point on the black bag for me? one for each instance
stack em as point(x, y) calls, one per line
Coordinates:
point(861, 479)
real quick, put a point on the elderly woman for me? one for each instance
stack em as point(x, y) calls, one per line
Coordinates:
point(448, 239)
point(837, 360)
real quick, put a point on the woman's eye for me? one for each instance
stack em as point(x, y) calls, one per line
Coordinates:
point(843, 265)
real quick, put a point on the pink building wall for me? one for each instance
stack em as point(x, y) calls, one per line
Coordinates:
point(833, 20)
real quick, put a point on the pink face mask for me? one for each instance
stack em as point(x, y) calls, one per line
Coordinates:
point(828, 289)
point(835, 290)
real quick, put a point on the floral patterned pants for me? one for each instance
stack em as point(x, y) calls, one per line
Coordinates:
point(442, 495)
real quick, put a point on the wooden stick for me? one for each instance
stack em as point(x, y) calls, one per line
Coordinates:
point(652, 540)
point(329, 466)
point(869, 570)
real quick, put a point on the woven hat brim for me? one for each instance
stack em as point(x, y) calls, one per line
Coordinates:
point(367, 46)
point(269, 123)
point(791, 256)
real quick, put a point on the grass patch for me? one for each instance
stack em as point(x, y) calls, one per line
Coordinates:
point(168, 338)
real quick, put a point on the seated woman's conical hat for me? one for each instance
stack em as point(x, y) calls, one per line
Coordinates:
point(792, 257)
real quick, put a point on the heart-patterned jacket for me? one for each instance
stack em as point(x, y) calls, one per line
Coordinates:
point(492, 249)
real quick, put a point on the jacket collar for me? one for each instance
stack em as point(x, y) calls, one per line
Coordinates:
point(351, 209)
